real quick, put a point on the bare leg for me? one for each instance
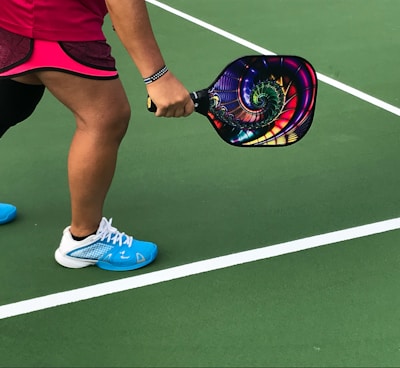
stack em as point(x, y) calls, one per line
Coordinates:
point(102, 114)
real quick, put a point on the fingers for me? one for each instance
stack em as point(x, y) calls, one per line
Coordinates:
point(171, 97)
point(177, 110)
point(189, 108)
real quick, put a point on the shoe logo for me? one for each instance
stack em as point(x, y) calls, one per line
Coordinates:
point(140, 258)
point(123, 255)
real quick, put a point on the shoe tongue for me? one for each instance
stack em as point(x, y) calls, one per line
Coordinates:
point(105, 226)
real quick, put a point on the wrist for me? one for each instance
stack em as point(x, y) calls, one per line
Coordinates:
point(157, 75)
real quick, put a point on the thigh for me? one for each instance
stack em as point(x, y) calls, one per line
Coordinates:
point(28, 79)
point(93, 102)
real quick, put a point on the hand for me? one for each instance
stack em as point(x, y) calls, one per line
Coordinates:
point(170, 96)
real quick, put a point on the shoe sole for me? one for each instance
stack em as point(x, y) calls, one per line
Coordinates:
point(70, 262)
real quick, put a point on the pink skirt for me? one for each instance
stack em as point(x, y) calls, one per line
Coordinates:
point(20, 55)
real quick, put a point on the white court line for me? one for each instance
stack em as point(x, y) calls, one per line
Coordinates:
point(195, 268)
point(323, 78)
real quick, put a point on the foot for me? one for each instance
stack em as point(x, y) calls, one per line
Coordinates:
point(8, 212)
point(108, 249)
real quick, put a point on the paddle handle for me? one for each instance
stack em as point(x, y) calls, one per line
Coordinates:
point(200, 99)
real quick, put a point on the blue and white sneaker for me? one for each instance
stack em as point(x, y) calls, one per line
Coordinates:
point(108, 249)
point(8, 212)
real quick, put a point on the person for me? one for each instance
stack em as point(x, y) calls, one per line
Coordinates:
point(60, 46)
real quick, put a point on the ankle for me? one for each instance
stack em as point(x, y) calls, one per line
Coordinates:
point(79, 238)
point(83, 232)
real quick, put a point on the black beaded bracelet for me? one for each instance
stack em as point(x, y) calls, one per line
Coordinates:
point(156, 75)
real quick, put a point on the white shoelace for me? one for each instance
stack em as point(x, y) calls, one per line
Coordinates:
point(111, 234)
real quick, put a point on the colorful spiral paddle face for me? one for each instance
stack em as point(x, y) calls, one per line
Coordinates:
point(263, 100)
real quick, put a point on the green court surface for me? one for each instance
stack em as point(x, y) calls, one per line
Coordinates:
point(178, 184)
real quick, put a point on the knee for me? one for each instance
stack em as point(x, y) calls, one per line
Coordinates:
point(119, 121)
point(107, 124)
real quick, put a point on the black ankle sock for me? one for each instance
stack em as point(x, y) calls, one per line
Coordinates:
point(79, 238)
